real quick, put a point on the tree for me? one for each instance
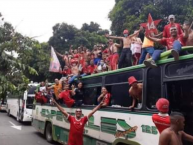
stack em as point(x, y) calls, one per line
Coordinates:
point(65, 35)
point(12, 74)
point(92, 27)
point(128, 14)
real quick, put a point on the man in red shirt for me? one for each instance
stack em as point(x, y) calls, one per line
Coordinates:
point(66, 96)
point(175, 42)
point(166, 31)
point(77, 123)
point(162, 119)
point(92, 67)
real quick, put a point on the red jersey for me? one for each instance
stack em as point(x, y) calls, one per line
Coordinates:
point(65, 95)
point(91, 68)
point(66, 72)
point(85, 69)
point(107, 98)
point(76, 130)
point(169, 41)
point(166, 31)
point(161, 122)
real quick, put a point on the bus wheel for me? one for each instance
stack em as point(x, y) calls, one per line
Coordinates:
point(49, 137)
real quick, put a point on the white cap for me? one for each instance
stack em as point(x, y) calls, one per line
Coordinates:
point(171, 16)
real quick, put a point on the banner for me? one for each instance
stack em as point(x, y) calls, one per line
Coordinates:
point(54, 62)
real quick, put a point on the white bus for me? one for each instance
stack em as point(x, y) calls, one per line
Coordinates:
point(20, 105)
point(116, 124)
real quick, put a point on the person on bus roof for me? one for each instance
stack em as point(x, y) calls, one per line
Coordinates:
point(135, 91)
point(162, 119)
point(77, 123)
point(104, 97)
point(174, 135)
point(173, 43)
point(166, 31)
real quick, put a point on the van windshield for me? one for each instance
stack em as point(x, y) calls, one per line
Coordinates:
point(29, 102)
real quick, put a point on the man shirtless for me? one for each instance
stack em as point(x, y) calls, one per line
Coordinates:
point(135, 91)
point(175, 134)
point(126, 55)
point(65, 57)
point(113, 47)
point(189, 42)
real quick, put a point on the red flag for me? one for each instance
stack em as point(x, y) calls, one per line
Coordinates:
point(150, 26)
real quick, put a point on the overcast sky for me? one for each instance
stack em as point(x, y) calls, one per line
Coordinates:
point(37, 17)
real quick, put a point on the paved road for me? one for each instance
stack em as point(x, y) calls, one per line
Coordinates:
point(26, 136)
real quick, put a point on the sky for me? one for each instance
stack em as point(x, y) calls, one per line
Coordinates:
point(37, 17)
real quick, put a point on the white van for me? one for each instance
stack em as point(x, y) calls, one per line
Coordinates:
point(20, 106)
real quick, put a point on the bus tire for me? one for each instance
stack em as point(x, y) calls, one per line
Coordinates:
point(48, 133)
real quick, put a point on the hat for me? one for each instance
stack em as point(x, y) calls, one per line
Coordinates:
point(132, 80)
point(163, 105)
point(171, 16)
point(73, 61)
point(125, 31)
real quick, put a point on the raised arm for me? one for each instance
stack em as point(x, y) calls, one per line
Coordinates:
point(95, 109)
point(186, 136)
point(113, 37)
point(153, 39)
point(58, 54)
point(60, 108)
point(186, 33)
point(136, 33)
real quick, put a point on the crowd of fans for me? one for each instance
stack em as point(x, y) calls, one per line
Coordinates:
point(82, 61)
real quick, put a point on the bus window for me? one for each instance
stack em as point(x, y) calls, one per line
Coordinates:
point(153, 87)
point(180, 95)
point(123, 77)
point(120, 95)
point(91, 95)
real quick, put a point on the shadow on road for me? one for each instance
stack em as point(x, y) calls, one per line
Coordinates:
point(43, 137)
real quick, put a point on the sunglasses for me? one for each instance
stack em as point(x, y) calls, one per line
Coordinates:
point(78, 111)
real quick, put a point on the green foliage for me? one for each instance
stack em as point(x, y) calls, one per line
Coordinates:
point(65, 35)
point(128, 14)
point(15, 53)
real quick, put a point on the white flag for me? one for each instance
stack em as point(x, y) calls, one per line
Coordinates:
point(54, 62)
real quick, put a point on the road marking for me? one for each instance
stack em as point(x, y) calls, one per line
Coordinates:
point(15, 126)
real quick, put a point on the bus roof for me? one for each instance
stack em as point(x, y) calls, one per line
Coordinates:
point(164, 54)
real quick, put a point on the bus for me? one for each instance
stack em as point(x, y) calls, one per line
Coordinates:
point(20, 105)
point(116, 124)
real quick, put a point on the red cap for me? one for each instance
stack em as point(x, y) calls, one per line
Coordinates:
point(76, 55)
point(132, 80)
point(73, 61)
point(125, 31)
point(163, 105)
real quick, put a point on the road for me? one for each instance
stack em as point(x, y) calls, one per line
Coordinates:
point(12, 136)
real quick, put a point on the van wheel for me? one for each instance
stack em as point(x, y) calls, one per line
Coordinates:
point(18, 117)
point(8, 113)
point(49, 137)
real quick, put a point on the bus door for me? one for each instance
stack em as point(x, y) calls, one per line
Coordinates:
point(178, 80)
